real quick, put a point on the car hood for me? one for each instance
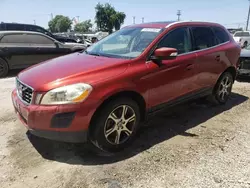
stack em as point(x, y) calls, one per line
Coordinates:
point(72, 44)
point(73, 68)
point(245, 53)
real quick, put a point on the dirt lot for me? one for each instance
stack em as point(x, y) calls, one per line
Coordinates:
point(196, 145)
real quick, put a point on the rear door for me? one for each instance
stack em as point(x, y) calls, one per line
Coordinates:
point(208, 65)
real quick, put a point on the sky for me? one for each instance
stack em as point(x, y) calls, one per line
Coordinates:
point(230, 13)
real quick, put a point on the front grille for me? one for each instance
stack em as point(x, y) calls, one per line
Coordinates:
point(244, 63)
point(24, 92)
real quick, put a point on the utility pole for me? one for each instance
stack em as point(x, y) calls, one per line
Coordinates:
point(248, 16)
point(179, 14)
point(34, 22)
point(142, 20)
point(78, 19)
point(133, 19)
point(51, 16)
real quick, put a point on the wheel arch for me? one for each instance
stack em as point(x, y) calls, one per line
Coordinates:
point(138, 98)
point(231, 70)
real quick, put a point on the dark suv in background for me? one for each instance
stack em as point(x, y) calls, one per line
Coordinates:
point(35, 28)
point(21, 49)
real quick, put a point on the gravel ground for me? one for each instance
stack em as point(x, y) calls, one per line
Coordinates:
point(195, 145)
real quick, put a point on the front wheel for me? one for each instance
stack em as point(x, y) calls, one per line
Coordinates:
point(223, 88)
point(115, 125)
point(4, 68)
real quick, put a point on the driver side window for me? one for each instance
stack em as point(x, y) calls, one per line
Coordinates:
point(179, 39)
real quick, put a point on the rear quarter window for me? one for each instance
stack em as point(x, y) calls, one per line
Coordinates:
point(221, 35)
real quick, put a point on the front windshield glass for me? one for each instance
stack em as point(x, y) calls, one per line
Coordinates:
point(126, 43)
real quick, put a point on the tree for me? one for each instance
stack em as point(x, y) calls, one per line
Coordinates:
point(84, 26)
point(60, 24)
point(107, 18)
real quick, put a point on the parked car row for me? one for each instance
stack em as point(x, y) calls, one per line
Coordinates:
point(101, 95)
point(21, 49)
point(35, 28)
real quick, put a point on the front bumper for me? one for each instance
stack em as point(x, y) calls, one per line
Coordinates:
point(67, 123)
point(244, 67)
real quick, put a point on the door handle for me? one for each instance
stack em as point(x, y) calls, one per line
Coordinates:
point(190, 66)
point(217, 58)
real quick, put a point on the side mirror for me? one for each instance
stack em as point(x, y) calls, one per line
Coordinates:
point(164, 54)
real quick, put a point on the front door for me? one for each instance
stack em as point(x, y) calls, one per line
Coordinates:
point(44, 48)
point(175, 78)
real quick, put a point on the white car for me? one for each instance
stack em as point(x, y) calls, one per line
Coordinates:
point(242, 38)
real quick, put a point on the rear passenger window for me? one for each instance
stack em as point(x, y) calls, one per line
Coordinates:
point(39, 39)
point(221, 35)
point(178, 39)
point(203, 38)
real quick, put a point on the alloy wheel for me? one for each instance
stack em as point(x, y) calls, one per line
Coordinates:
point(120, 124)
point(225, 88)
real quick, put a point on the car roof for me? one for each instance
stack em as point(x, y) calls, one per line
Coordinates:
point(13, 23)
point(166, 24)
point(16, 32)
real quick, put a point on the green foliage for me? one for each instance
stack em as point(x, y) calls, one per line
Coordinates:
point(84, 26)
point(107, 18)
point(60, 24)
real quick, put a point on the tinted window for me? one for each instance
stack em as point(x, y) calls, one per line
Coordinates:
point(13, 38)
point(203, 38)
point(39, 39)
point(221, 35)
point(36, 29)
point(241, 34)
point(178, 39)
point(13, 27)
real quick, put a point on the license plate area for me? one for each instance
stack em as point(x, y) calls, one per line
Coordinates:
point(22, 111)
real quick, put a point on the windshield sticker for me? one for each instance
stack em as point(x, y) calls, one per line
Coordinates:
point(151, 30)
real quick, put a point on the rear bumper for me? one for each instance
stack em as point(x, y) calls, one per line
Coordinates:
point(72, 137)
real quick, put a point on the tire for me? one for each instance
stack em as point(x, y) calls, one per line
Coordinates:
point(109, 123)
point(245, 44)
point(223, 88)
point(4, 68)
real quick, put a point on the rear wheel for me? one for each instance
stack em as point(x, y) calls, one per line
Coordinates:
point(115, 125)
point(4, 68)
point(223, 88)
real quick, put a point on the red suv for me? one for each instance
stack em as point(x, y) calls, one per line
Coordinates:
point(102, 94)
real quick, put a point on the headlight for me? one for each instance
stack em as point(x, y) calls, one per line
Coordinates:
point(67, 94)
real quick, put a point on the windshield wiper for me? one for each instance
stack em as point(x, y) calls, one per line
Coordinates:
point(94, 54)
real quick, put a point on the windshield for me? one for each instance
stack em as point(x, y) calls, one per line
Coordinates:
point(126, 43)
point(241, 34)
